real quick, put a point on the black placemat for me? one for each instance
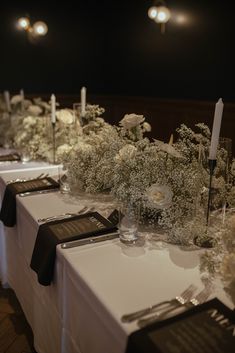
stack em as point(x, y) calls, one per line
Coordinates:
point(53, 233)
point(8, 209)
point(11, 157)
point(207, 328)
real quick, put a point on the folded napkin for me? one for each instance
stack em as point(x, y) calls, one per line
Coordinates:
point(10, 157)
point(114, 217)
point(61, 231)
point(8, 209)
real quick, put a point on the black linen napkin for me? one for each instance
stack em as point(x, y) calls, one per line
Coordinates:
point(11, 157)
point(206, 328)
point(8, 209)
point(61, 231)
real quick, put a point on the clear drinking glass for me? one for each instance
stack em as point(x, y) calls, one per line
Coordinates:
point(25, 155)
point(76, 111)
point(63, 179)
point(129, 215)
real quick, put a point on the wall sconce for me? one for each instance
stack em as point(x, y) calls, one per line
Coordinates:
point(160, 13)
point(39, 28)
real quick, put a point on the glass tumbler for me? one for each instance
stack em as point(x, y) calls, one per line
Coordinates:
point(129, 215)
point(63, 179)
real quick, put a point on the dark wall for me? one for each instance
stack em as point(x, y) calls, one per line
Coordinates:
point(164, 115)
point(112, 47)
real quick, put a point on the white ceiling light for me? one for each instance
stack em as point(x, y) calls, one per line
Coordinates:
point(163, 14)
point(23, 23)
point(40, 28)
point(160, 13)
point(152, 12)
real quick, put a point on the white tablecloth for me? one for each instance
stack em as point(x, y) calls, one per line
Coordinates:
point(94, 285)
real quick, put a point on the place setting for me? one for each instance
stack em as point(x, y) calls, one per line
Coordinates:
point(71, 230)
point(207, 327)
point(22, 188)
point(11, 157)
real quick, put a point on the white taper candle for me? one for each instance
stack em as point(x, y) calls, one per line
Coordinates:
point(216, 129)
point(22, 94)
point(53, 109)
point(83, 101)
point(7, 100)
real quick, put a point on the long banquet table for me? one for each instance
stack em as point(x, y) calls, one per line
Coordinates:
point(93, 285)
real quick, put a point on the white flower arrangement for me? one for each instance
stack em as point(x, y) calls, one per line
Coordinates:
point(20, 109)
point(168, 180)
point(65, 116)
point(133, 127)
point(92, 112)
point(34, 110)
point(131, 121)
point(16, 99)
point(31, 137)
point(34, 134)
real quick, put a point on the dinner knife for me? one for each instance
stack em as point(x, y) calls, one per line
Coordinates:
point(91, 240)
point(30, 193)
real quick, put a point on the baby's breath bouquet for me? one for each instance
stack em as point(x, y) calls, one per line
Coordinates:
point(92, 160)
point(156, 175)
point(168, 181)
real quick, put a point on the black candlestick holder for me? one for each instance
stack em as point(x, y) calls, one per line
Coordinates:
point(212, 165)
point(206, 240)
point(53, 141)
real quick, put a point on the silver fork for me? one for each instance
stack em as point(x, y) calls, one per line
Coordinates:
point(64, 215)
point(41, 176)
point(185, 295)
point(198, 299)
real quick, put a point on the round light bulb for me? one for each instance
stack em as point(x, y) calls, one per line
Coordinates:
point(152, 12)
point(23, 23)
point(40, 28)
point(163, 14)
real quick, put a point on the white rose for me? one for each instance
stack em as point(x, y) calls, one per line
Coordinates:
point(147, 127)
point(125, 153)
point(34, 110)
point(16, 99)
point(65, 116)
point(159, 196)
point(131, 120)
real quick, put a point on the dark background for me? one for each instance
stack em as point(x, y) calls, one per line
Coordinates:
point(113, 48)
